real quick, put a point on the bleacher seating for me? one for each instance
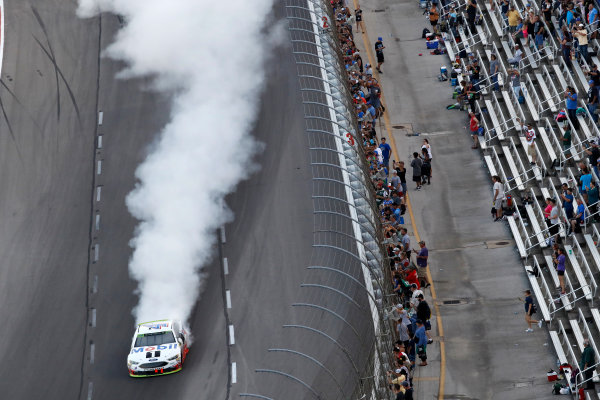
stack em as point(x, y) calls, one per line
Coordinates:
point(545, 77)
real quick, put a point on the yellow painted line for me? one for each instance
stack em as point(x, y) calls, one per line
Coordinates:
point(386, 118)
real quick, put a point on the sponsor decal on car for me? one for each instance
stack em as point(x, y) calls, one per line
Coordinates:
point(153, 348)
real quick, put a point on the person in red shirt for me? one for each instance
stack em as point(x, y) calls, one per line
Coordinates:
point(474, 128)
point(411, 277)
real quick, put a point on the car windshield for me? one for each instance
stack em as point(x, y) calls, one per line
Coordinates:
point(154, 339)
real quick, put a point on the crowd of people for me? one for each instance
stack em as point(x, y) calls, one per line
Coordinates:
point(407, 265)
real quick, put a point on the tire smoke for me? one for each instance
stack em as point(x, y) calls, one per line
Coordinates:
point(209, 55)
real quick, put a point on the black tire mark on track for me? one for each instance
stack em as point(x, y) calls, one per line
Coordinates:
point(43, 26)
point(14, 96)
point(10, 130)
point(82, 396)
point(58, 70)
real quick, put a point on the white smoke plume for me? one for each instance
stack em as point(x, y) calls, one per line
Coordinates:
point(210, 54)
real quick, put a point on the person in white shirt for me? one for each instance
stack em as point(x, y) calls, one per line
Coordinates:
point(530, 136)
point(414, 300)
point(498, 196)
point(517, 56)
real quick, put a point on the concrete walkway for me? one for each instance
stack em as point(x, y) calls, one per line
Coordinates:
point(484, 352)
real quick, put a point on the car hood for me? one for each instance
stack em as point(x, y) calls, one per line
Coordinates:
point(159, 353)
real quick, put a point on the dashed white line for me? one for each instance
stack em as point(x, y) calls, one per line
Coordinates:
point(92, 352)
point(98, 193)
point(228, 298)
point(100, 117)
point(93, 318)
point(96, 252)
point(99, 170)
point(90, 390)
point(100, 141)
point(225, 266)
point(233, 372)
point(95, 284)
point(223, 237)
point(97, 222)
point(231, 335)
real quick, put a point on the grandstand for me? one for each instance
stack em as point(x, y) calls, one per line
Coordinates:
point(545, 75)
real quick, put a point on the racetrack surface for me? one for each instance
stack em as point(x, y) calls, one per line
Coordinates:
point(54, 83)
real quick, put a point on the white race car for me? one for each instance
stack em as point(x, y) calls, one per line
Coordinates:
point(157, 348)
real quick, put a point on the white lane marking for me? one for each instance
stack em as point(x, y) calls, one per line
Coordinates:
point(90, 390)
point(98, 193)
point(99, 170)
point(231, 335)
point(225, 266)
point(228, 298)
point(233, 372)
point(95, 284)
point(97, 222)
point(92, 352)
point(100, 141)
point(96, 252)
point(223, 238)
point(100, 117)
point(93, 322)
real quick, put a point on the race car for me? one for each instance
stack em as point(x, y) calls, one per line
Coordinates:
point(157, 348)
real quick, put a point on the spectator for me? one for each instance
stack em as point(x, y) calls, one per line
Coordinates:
point(498, 196)
point(566, 42)
point(494, 69)
point(584, 180)
point(399, 166)
point(547, 211)
point(386, 151)
point(415, 293)
point(471, 14)
point(567, 200)
point(530, 136)
point(538, 32)
point(399, 395)
point(587, 364)
point(566, 141)
point(554, 222)
point(408, 391)
point(426, 169)
point(515, 81)
point(434, 16)
point(422, 257)
point(379, 52)
point(474, 128)
point(359, 22)
point(571, 100)
point(547, 12)
point(427, 146)
point(416, 165)
point(578, 219)
point(593, 155)
point(421, 342)
point(513, 19)
point(581, 34)
point(517, 57)
point(424, 314)
point(504, 6)
point(529, 311)
point(593, 19)
point(570, 15)
point(405, 241)
point(475, 72)
point(592, 104)
point(395, 182)
point(559, 262)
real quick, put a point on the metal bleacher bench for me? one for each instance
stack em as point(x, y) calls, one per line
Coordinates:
point(538, 294)
point(589, 241)
point(578, 272)
point(518, 240)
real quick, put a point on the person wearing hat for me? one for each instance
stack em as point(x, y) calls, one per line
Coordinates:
point(592, 103)
point(518, 55)
point(379, 52)
point(581, 35)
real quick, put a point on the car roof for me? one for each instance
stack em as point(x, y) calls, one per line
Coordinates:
point(155, 326)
